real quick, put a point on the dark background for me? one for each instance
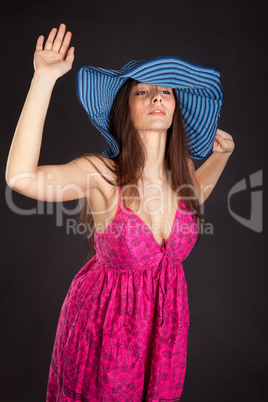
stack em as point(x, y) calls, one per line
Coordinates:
point(226, 272)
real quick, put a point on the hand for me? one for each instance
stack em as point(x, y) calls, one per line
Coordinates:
point(223, 142)
point(55, 59)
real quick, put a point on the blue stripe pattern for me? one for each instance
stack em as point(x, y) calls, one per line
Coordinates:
point(198, 88)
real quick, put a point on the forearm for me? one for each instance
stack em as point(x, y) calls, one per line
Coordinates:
point(26, 144)
point(210, 171)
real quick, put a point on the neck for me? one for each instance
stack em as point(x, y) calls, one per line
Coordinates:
point(155, 144)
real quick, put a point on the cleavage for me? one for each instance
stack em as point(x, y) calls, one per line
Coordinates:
point(160, 229)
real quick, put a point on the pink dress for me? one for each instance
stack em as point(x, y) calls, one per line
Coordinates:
point(123, 327)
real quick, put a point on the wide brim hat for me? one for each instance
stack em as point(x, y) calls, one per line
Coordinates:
point(198, 88)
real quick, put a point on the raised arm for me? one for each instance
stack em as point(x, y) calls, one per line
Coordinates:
point(22, 172)
point(208, 174)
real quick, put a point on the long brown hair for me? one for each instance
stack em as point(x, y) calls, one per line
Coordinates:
point(129, 164)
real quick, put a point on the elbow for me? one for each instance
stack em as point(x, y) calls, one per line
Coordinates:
point(9, 180)
point(18, 182)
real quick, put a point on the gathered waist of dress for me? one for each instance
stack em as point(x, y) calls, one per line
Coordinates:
point(153, 262)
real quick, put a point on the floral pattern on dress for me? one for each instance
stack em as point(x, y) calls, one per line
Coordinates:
point(123, 327)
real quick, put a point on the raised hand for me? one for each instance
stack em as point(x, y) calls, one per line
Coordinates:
point(55, 59)
point(223, 142)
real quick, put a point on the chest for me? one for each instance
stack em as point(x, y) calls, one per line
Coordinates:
point(156, 207)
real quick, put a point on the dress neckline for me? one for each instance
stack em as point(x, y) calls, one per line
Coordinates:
point(120, 209)
point(164, 241)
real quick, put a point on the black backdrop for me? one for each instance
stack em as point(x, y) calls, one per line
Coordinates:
point(226, 272)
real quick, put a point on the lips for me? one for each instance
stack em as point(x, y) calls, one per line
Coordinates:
point(157, 112)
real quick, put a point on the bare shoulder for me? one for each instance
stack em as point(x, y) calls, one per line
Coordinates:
point(96, 168)
point(101, 161)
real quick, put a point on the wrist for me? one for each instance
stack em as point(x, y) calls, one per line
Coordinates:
point(225, 154)
point(43, 80)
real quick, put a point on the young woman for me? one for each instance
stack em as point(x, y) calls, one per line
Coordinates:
point(122, 332)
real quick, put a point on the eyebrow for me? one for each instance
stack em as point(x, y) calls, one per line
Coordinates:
point(143, 83)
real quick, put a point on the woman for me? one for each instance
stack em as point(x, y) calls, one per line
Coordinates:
point(122, 332)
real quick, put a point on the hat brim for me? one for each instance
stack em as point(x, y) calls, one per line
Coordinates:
point(198, 88)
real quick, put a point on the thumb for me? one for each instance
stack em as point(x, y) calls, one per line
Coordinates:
point(70, 56)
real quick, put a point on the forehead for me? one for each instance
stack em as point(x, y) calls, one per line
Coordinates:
point(149, 86)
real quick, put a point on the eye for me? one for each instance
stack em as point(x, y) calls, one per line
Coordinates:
point(141, 93)
point(166, 92)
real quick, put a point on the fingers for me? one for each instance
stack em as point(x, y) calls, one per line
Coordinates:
point(39, 43)
point(65, 44)
point(58, 41)
point(224, 134)
point(50, 39)
point(219, 138)
point(221, 141)
point(70, 56)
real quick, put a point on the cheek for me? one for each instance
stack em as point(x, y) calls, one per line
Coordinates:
point(134, 109)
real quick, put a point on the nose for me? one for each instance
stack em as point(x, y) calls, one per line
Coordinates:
point(157, 96)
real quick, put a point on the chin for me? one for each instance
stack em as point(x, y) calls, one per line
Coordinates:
point(158, 128)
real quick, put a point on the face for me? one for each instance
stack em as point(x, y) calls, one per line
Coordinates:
point(151, 107)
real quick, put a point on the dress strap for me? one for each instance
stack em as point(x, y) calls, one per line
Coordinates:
point(120, 200)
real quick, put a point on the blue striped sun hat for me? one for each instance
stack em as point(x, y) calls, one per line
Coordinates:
point(198, 88)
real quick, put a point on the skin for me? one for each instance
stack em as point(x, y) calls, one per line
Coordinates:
point(152, 127)
point(57, 183)
point(143, 100)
